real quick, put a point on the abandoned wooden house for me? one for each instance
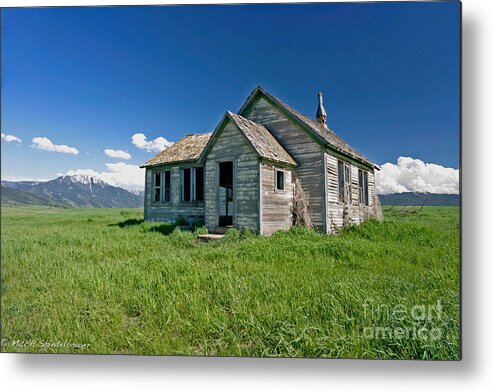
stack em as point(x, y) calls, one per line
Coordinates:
point(267, 168)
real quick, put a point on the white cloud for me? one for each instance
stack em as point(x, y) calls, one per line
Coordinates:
point(10, 138)
point(159, 144)
point(43, 143)
point(117, 154)
point(414, 175)
point(22, 178)
point(119, 174)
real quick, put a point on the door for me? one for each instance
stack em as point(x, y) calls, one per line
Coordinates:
point(225, 196)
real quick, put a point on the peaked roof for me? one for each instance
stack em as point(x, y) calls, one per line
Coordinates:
point(324, 135)
point(261, 139)
point(186, 149)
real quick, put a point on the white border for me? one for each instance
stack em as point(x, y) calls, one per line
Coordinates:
point(119, 373)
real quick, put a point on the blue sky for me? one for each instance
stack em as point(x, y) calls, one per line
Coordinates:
point(90, 78)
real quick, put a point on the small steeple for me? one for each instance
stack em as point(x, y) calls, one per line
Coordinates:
point(321, 113)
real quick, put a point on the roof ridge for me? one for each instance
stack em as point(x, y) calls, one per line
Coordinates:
point(327, 135)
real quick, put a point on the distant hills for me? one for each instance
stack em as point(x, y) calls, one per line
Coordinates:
point(69, 191)
point(88, 191)
point(416, 199)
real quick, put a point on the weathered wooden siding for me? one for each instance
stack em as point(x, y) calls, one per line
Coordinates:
point(171, 211)
point(341, 214)
point(308, 154)
point(233, 146)
point(277, 205)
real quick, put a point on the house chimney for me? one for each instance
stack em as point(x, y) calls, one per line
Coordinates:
point(321, 113)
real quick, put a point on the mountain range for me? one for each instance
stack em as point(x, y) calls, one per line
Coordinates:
point(69, 191)
point(89, 191)
point(417, 198)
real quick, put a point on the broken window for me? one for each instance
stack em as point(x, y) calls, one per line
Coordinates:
point(186, 184)
point(340, 176)
point(199, 183)
point(280, 180)
point(363, 187)
point(156, 186)
point(344, 180)
point(192, 184)
point(167, 186)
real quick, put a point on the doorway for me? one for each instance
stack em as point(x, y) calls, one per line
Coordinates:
point(225, 195)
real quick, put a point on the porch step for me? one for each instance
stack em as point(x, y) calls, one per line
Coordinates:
point(209, 237)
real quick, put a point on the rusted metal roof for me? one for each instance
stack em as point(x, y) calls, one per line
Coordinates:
point(186, 149)
point(262, 140)
point(326, 135)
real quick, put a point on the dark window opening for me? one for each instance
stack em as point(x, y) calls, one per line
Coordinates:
point(186, 184)
point(360, 187)
point(199, 183)
point(192, 184)
point(279, 180)
point(157, 186)
point(167, 186)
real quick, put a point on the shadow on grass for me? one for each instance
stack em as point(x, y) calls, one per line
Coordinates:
point(163, 228)
point(128, 222)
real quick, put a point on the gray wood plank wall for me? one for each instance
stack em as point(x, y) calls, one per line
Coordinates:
point(308, 154)
point(171, 211)
point(277, 205)
point(340, 214)
point(233, 146)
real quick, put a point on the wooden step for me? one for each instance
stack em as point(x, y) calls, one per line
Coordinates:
point(209, 237)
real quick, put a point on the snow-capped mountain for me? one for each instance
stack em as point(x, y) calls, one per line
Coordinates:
point(79, 190)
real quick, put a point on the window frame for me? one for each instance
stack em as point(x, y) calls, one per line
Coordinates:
point(154, 187)
point(166, 194)
point(345, 191)
point(363, 187)
point(195, 188)
point(193, 184)
point(162, 186)
point(283, 173)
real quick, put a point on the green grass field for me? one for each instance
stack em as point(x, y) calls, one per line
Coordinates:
point(104, 279)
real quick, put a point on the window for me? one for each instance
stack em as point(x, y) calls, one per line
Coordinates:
point(161, 186)
point(340, 176)
point(361, 194)
point(186, 184)
point(280, 180)
point(347, 183)
point(199, 184)
point(192, 184)
point(344, 179)
point(156, 186)
point(167, 186)
point(363, 187)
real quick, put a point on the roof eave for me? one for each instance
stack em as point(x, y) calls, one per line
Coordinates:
point(169, 163)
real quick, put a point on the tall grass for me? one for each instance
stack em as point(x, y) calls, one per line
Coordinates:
point(105, 278)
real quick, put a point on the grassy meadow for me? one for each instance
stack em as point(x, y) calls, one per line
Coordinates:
point(104, 281)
